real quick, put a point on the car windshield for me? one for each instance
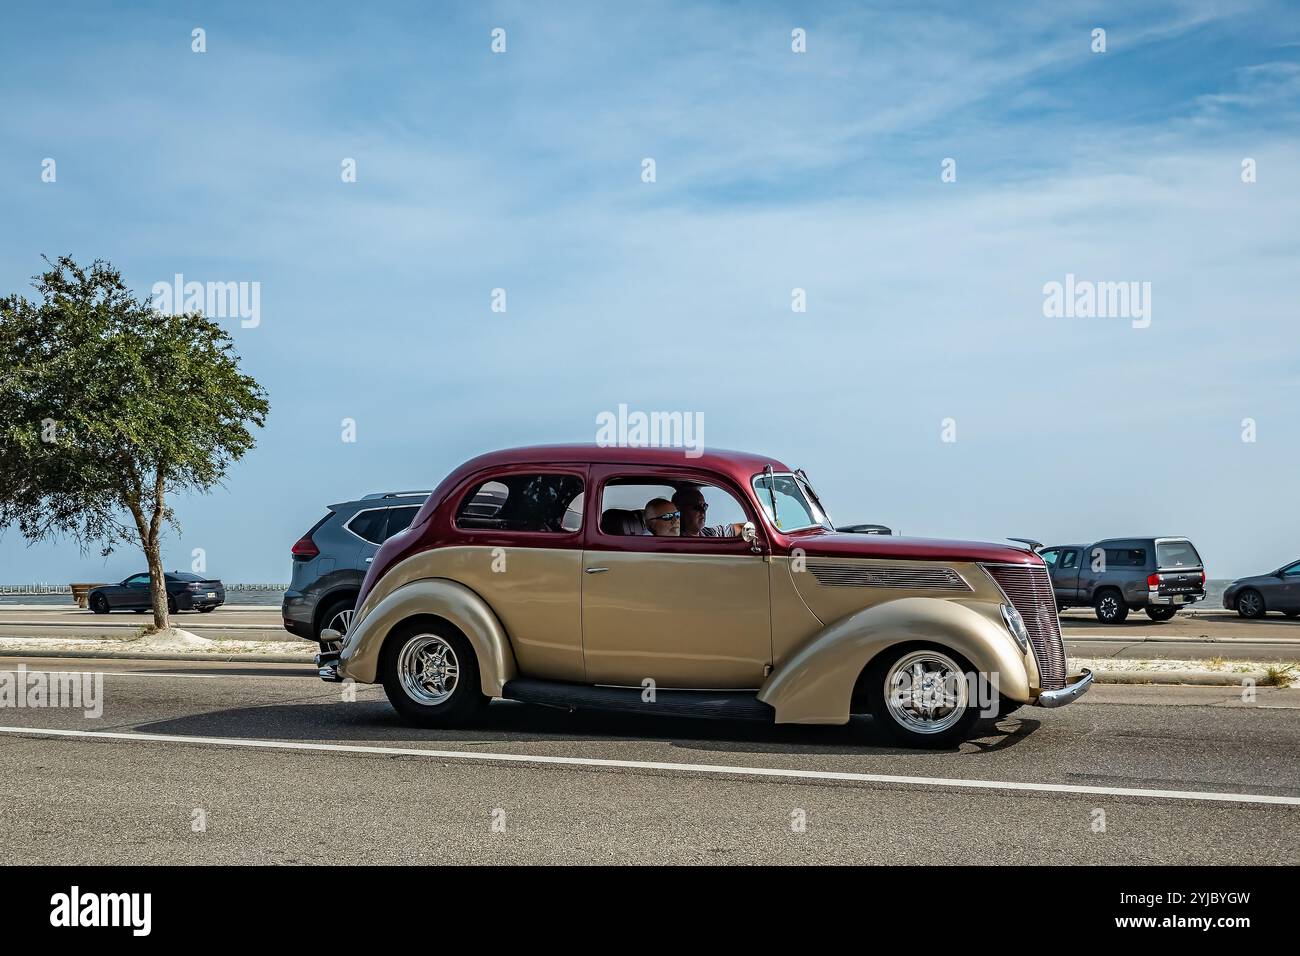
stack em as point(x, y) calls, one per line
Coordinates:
point(789, 502)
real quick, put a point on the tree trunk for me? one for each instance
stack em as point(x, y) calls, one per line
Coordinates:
point(157, 584)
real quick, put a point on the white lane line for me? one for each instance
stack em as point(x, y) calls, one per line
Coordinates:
point(703, 768)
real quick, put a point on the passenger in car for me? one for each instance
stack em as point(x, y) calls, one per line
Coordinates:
point(662, 518)
point(694, 509)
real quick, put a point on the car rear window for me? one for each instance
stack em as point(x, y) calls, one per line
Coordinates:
point(1177, 554)
point(527, 502)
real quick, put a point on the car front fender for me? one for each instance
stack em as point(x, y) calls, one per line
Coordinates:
point(438, 597)
point(815, 684)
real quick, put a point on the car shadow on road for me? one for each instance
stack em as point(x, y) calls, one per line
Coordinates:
point(509, 722)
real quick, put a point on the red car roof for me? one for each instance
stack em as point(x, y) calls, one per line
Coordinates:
point(739, 465)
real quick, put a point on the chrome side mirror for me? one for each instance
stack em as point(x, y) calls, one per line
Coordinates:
point(750, 533)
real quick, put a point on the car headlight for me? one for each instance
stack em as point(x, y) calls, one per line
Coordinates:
point(1016, 625)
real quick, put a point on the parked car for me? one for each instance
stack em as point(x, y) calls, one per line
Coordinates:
point(185, 592)
point(1157, 575)
point(331, 559)
point(1276, 591)
point(551, 594)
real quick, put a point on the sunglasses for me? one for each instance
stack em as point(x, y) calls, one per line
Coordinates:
point(670, 516)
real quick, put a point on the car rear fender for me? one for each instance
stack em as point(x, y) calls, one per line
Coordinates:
point(815, 684)
point(437, 597)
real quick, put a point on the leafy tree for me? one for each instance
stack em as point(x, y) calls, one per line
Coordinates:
point(107, 407)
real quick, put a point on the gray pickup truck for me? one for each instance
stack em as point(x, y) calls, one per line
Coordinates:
point(1158, 575)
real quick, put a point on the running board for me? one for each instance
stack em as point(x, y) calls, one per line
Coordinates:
point(710, 704)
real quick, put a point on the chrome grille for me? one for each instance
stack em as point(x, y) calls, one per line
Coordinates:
point(832, 574)
point(1029, 589)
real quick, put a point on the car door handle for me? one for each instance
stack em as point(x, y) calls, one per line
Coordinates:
point(594, 570)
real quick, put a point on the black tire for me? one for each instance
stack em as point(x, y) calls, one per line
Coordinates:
point(1250, 603)
point(1110, 607)
point(333, 610)
point(877, 692)
point(207, 610)
point(1161, 613)
point(466, 701)
point(99, 604)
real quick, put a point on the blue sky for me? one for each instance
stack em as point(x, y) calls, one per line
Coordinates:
point(775, 170)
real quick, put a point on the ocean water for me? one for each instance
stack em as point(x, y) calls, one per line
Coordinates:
point(263, 596)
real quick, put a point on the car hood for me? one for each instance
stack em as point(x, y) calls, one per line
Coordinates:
point(847, 545)
point(1255, 579)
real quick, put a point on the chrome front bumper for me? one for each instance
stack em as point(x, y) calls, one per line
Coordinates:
point(1067, 694)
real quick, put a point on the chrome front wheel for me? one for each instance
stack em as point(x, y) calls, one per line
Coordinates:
point(926, 692)
point(922, 695)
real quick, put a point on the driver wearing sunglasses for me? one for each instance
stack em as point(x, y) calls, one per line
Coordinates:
point(694, 510)
point(662, 519)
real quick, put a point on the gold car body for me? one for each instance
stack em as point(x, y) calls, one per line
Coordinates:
point(794, 627)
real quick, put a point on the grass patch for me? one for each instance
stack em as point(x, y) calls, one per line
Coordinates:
point(1280, 675)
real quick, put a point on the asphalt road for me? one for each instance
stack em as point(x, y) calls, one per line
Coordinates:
point(282, 769)
point(1273, 638)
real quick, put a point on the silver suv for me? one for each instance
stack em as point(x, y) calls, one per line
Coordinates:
point(331, 560)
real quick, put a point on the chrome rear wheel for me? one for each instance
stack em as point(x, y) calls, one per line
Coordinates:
point(428, 669)
point(431, 675)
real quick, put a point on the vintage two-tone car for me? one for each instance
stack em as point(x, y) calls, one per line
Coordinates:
point(640, 579)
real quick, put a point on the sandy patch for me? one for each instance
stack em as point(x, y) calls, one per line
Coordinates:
point(172, 641)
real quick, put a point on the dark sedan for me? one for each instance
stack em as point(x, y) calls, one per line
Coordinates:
point(1277, 591)
point(185, 592)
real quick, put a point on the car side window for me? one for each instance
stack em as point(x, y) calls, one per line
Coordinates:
point(1126, 557)
point(1069, 559)
point(399, 519)
point(1293, 571)
point(1050, 556)
point(524, 502)
point(138, 581)
point(646, 506)
point(369, 525)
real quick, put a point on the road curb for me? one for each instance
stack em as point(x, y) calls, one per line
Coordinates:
point(1199, 678)
point(1076, 638)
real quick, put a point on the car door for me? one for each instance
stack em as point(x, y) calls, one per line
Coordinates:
point(133, 593)
point(1288, 590)
point(683, 612)
point(1065, 576)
